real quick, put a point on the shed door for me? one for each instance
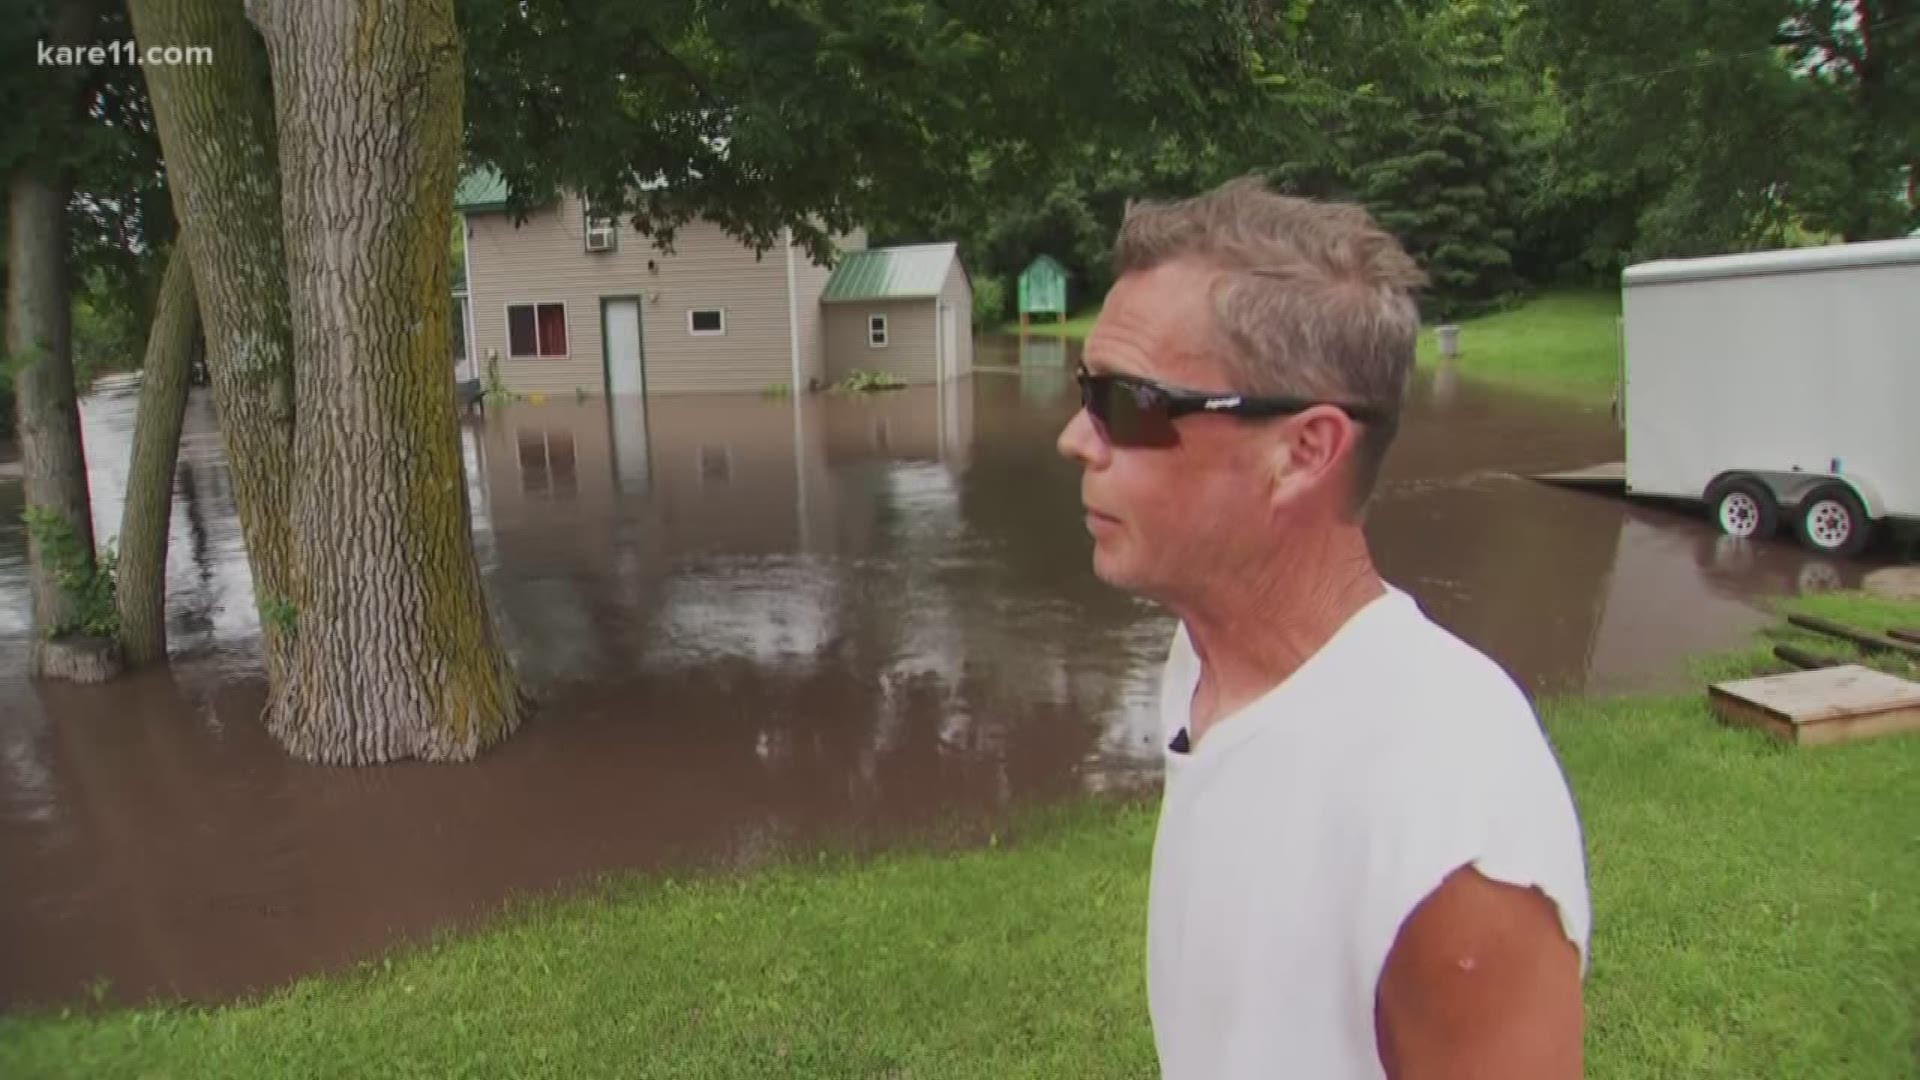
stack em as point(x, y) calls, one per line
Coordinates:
point(624, 375)
point(949, 342)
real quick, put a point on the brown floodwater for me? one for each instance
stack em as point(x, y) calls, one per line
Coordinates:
point(752, 624)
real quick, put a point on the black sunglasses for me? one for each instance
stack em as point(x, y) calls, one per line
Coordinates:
point(1136, 412)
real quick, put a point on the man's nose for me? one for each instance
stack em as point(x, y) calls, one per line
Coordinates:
point(1079, 441)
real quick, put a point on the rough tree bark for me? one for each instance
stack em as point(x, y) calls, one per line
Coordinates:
point(148, 511)
point(395, 653)
point(217, 137)
point(39, 345)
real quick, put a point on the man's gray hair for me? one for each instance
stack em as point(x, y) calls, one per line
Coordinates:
point(1314, 299)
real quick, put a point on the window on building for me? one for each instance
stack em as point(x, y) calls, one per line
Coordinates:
point(536, 331)
point(600, 230)
point(877, 331)
point(707, 321)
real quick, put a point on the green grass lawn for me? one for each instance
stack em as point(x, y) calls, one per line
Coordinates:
point(1757, 913)
point(1561, 344)
point(1076, 327)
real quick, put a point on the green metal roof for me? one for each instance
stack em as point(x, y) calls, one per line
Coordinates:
point(480, 189)
point(894, 273)
point(1044, 264)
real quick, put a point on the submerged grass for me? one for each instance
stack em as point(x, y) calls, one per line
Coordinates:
point(1757, 913)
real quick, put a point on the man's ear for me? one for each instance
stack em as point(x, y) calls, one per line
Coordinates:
point(1309, 451)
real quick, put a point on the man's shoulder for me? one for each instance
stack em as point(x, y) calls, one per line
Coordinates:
point(1422, 710)
point(1416, 660)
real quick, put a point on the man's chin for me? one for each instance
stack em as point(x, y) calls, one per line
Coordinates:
point(1110, 568)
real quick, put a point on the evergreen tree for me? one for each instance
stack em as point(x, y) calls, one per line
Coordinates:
point(1440, 182)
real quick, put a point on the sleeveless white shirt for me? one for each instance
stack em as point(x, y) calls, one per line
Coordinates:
point(1302, 830)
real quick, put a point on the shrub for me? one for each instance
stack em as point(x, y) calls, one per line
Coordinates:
point(89, 585)
point(989, 301)
point(858, 381)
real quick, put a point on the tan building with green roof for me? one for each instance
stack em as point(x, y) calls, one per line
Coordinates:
point(564, 302)
point(907, 311)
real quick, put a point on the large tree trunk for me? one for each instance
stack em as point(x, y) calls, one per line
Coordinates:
point(396, 655)
point(217, 136)
point(156, 446)
point(39, 343)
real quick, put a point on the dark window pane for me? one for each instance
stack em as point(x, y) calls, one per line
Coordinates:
point(520, 339)
point(553, 330)
point(706, 322)
point(459, 335)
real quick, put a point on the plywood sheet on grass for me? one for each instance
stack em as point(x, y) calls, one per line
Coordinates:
point(1833, 704)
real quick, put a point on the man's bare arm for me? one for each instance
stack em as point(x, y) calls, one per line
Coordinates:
point(1481, 983)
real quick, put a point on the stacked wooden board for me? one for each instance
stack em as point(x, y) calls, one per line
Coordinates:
point(1830, 702)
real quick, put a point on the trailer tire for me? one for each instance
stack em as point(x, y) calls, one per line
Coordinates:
point(1744, 508)
point(1832, 521)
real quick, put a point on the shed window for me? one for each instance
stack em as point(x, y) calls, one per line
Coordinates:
point(707, 321)
point(536, 331)
point(877, 331)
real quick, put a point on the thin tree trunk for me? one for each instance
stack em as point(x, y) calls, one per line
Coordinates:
point(39, 344)
point(156, 447)
point(217, 136)
point(39, 340)
point(396, 655)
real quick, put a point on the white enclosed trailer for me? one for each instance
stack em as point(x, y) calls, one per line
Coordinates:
point(1778, 386)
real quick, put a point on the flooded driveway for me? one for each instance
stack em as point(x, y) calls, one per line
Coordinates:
point(751, 623)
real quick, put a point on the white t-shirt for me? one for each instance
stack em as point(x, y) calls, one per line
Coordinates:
point(1302, 830)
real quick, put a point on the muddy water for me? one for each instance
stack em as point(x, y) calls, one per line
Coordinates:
point(751, 623)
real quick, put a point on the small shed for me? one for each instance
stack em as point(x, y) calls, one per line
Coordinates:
point(1043, 289)
point(906, 311)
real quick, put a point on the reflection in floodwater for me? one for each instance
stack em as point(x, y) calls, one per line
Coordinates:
point(1445, 383)
point(748, 621)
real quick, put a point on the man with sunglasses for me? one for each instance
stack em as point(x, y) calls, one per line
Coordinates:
point(1368, 863)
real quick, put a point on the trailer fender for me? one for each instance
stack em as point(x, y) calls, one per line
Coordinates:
point(1869, 498)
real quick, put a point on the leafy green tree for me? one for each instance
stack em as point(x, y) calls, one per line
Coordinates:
point(1439, 183)
point(1743, 124)
point(820, 116)
point(118, 214)
point(38, 163)
point(1335, 111)
point(1436, 165)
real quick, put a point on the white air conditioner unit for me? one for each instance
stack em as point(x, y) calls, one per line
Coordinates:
point(600, 234)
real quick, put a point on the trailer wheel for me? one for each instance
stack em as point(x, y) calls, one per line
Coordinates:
point(1832, 521)
point(1745, 509)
